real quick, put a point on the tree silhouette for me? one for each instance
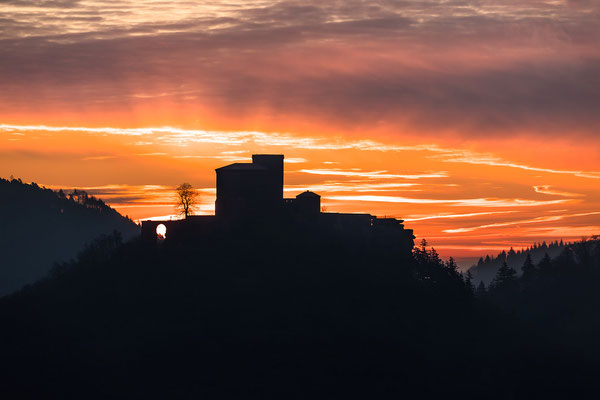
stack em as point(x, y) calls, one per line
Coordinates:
point(528, 269)
point(469, 282)
point(506, 278)
point(481, 291)
point(545, 264)
point(187, 199)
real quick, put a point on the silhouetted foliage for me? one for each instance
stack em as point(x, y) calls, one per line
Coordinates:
point(505, 285)
point(485, 269)
point(187, 199)
point(558, 297)
point(469, 282)
point(529, 272)
point(545, 265)
point(506, 278)
point(40, 226)
point(276, 315)
point(481, 290)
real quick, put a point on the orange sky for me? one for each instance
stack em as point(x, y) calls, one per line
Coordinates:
point(477, 123)
point(463, 200)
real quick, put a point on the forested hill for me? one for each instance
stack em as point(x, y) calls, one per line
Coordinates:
point(39, 226)
point(486, 268)
point(292, 315)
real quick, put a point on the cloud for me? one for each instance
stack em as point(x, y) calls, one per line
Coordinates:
point(295, 160)
point(184, 137)
point(42, 3)
point(503, 224)
point(122, 195)
point(479, 202)
point(372, 174)
point(453, 216)
point(469, 157)
point(547, 189)
point(477, 68)
point(537, 220)
point(351, 186)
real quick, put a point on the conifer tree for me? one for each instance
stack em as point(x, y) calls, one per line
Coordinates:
point(545, 264)
point(506, 278)
point(434, 257)
point(511, 253)
point(450, 264)
point(469, 282)
point(528, 269)
point(502, 256)
point(566, 257)
point(481, 291)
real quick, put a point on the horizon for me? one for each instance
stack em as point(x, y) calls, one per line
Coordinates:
point(145, 201)
point(477, 124)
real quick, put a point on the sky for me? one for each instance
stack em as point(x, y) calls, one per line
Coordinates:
point(477, 122)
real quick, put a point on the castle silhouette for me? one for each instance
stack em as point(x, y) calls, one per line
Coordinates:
point(250, 202)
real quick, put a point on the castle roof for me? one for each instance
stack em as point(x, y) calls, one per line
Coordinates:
point(307, 194)
point(242, 167)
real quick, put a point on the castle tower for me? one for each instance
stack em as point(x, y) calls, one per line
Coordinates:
point(250, 189)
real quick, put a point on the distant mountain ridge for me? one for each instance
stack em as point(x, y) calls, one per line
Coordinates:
point(39, 226)
point(486, 268)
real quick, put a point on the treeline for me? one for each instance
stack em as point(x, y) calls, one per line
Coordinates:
point(281, 315)
point(558, 297)
point(80, 197)
point(41, 226)
point(486, 268)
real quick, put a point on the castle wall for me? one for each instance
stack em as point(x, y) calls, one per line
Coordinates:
point(180, 230)
point(250, 201)
point(274, 163)
point(243, 192)
point(247, 190)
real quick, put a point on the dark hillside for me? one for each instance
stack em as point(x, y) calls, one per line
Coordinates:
point(268, 316)
point(558, 298)
point(40, 226)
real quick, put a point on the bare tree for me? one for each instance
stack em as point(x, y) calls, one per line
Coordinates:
point(187, 199)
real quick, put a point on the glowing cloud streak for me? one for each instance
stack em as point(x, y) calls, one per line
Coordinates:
point(547, 190)
point(183, 137)
point(464, 157)
point(519, 222)
point(372, 174)
point(453, 216)
point(349, 186)
point(482, 202)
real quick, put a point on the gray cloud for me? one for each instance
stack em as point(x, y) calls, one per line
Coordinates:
point(480, 67)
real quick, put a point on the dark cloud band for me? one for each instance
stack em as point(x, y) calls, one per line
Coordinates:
point(478, 68)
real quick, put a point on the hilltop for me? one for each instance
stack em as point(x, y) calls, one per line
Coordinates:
point(41, 226)
point(280, 316)
point(270, 316)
